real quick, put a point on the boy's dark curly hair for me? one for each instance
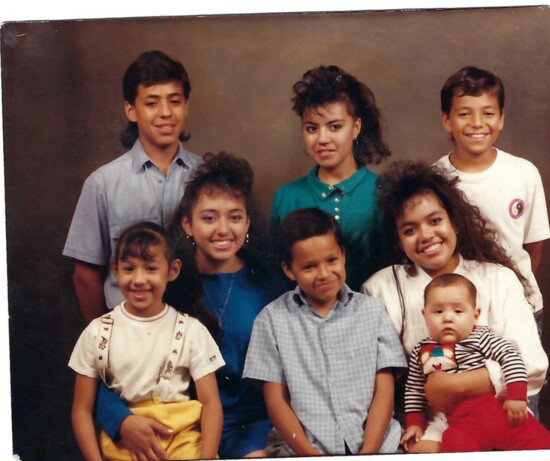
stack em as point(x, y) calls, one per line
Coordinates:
point(327, 84)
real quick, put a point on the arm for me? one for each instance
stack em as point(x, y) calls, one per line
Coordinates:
point(535, 252)
point(411, 435)
point(88, 283)
point(380, 412)
point(83, 424)
point(444, 390)
point(288, 425)
point(138, 433)
point(211, 417)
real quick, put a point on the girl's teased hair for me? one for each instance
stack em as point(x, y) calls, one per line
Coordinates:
point(476, 239)
point(327, 84)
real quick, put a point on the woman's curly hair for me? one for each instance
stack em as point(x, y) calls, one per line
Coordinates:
point(476, 239)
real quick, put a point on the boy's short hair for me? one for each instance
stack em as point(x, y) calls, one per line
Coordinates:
point(471, 81)
point(150, 68)
point(447, 280)
point(153, 67)
point(303, 224)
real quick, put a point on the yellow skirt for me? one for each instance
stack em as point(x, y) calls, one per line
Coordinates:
point(182, 417)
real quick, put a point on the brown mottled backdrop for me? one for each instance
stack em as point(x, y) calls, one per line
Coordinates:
point(63, 112)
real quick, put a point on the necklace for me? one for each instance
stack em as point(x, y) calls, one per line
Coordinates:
point(227, 296)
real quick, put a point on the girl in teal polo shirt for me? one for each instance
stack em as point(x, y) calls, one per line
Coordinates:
point(342, 134)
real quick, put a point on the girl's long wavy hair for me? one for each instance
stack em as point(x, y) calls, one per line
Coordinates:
point(476, 239)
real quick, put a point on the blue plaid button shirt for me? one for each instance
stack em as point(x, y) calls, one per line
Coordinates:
point(328, 363)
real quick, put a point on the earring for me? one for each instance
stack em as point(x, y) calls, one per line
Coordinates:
point(191, 239)
point(355, 145)
point(246, 240)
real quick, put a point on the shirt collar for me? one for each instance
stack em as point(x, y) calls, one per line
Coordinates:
point(344, 297)
point(140, 158)
point(323, 190)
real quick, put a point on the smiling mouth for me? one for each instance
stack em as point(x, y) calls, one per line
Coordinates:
point(222, 244)
point(431, 249)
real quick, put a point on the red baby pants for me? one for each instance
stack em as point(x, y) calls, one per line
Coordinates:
point(481, 424)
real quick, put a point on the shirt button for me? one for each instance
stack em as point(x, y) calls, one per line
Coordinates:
point(323, 195)
point(336, 199)
point(337, 209)
point(337, 217)
point(330, 187)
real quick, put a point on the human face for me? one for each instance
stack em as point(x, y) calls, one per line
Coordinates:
point(143, 282)
point(218, 224)
point(328, 133)
point(160, 112)
point(449, 314)
point(475, 123)
point(318, 266)
point(427, 235)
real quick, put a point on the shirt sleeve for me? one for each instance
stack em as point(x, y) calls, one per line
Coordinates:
point(110, 411)
point(536, 221)
point(390, 350)
point(88, 239)
point(415, 397)
point(263, 361)
point(204, 355)
point(510, 360)
point(512, 318)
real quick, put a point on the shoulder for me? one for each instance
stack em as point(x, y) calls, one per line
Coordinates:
point(487, 270)
point(515, 163)
point(383, 279)
point(119, 166)
point(192, 160)
point(292, 187)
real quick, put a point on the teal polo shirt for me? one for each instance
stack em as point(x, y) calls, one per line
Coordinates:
point(354, 205)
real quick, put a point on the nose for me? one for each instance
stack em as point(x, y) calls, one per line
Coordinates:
point(447, 316)
point(165, 109)
point(223, 226)
point(426, 233)
point(323, 137)
point(323, 271)
point(139, 277)
point(477, 119)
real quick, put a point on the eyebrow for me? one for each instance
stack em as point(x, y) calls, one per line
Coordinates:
point(410, 223)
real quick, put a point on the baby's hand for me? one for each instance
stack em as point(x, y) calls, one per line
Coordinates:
point(412, 434)
point(517, 411)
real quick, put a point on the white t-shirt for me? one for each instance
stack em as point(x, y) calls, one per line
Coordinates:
point(500, 298)
point(139, 348)
point(510, 196)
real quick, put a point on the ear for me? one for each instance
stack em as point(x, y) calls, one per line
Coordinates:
point(477, 312)
point(288, 271)
point(356, 127)
point(501, 122)
point(186, 225)
point(247, 222)
point(423, 312)
point(130, 111)
point(446, 122)
point(175, 268)
point(114, 265)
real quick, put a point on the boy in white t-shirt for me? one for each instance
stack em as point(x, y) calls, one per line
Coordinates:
point(507, 189)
